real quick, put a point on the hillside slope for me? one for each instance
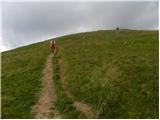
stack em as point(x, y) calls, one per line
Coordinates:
point(116, 72)
point(113, 72)
point(21, 74)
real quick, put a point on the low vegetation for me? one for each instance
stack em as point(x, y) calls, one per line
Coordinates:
point(115, 72)
point(21, 75)
point(64, 104)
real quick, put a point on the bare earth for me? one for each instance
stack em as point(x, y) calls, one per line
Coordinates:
point(84, 108)
point(80, 106)
point(44, 108)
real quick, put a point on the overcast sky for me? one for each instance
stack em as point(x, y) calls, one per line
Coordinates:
point(24, 23)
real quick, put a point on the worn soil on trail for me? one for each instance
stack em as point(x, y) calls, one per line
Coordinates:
point(44, 108)
point(80, 106)
point(84, 108)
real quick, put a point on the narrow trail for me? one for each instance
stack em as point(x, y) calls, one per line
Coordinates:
point(80, 106)
point(44, 107)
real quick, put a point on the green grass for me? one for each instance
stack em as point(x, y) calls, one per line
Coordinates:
point(63, 103)
point(21, 74)
point(114, 71)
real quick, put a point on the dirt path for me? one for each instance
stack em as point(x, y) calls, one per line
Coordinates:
point(80, 106)
point(44, 108)
point(84, 108)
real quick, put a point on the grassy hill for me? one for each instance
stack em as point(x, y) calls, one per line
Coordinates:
point(21, 73)
point(115, 72)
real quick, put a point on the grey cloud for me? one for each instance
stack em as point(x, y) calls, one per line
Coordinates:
point(28, 22)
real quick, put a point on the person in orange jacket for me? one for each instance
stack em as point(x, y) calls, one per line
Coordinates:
point(53, 46)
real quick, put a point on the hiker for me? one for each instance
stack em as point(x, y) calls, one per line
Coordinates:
point(117, 28)
point(53, 46)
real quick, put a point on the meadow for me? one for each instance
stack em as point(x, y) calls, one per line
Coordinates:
point(116, 72)
point(21, 79)
point(113, 71)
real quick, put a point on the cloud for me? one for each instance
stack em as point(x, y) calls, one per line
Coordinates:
point(29, 22)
